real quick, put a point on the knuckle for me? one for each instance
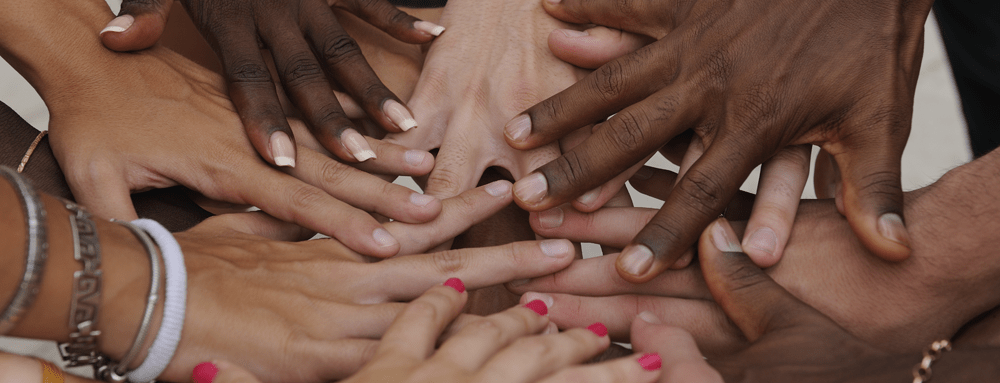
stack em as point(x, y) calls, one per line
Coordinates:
point(628, 131)
point(448, 262)
point(569, 170)
point(305, 198)
point(744, 277)
point(334, 174)
point(302, 68)
point(702, 191)
point(535, 347)
point(444, 182)
point(249, 72)
point(341, 49)
point(609, 81)
point(758, 105)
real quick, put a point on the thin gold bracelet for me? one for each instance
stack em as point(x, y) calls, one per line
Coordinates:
point(31, 149)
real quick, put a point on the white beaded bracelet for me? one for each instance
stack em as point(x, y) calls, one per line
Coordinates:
point(163, 348)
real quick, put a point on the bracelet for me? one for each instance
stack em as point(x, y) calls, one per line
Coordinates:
point(84, 309)
point(163, 348)
point(922, 372)
point(31, 149)
point(36, 250)
point(116, 372)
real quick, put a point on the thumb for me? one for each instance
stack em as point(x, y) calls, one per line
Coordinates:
point(138, 26)
point(221, 372)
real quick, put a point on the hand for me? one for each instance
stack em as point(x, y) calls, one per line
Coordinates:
point(747, 89)
point(235, 29)
point(825, 265)
point(503, 347)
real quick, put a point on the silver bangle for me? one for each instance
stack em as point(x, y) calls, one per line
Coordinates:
point(37, 247)
point(117, 372)
point(85, 306)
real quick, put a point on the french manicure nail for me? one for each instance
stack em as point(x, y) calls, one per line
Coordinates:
point(399, 115)
point(588, 198)
point(538, 306)
point(357, 145)
point(204, 372)
point(890, 226)
point(723, 240)
point(421, 199)
point(598, 329)
point(556, 248)
point(531, 189)
point(650, 362)
point(518, 128)
point(764, 240)
point(415, 157)
point(573, 33)
point(498, 188)
point(551, 218)
point(456, 284)
point(428, 27)
point(636, 259)
point(119, 24)
point(282, 149)
point(383, 238)
point(649, 317)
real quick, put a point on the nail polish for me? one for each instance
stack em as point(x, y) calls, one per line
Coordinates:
point(538, 307)
point(556, 248)
point(204, 372)
point(518, 128)
point(598, 329)
point(890, 226)
point(531, 189)
point(552, 218)
point(399, 115)
point(650, 362)
point(456, 284)
point(282, 149)
point(636, 259)
point(421, 199)
point(428, 27)
point(383, 238)
point(119, 24)
point(498, 188)
point(357, 145)
point(723, 239)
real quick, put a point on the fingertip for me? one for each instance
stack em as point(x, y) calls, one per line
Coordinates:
point(428, 29)
point(128, 33)
point(762, 246)
point(282, 149)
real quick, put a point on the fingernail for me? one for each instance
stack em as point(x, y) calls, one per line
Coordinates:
point(723, 240)
point(764, 240)
point(551, 329)
point(636, 259)
point(119, 24)
point(554, 2)
point(573, 33)
point(421, 199)
point(519, 282)
point(282, 149)
point(644, 173)
point(891, 226)
point(428, 27)
point(545, 298)
point(551, 218)
point(399, 115)
point(498, 188)
point(538, 306)
point(531, 189)
point(456, 284)
point(415, 157)
point(204, 373)
point(588, 198)
point(383, 238)
point(650, 362)
point(357, 145)
point(649, 317)
point(556, 248)
point(598, 329)
point(518, 128)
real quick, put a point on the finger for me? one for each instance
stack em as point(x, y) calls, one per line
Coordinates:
point(782, 179)
point(594, 47)
point(334, 360)
point(454, 172)
point(826, 176)
point(682, 362)
point(392, 159)
point(750, 298)
point(396, 23)
point(695, 149)
point(540, 356)
point(343, 59)
point(597, 277)
point(253, 93)
point(363, 190)
point(611, 226)
point(654, 182)
point(458, 214)
point(873, 195)
point(221, 372)
point(649, 17)
point(260, 224)
point(413, 334)
point(315, 209)
point(598, 197)
point(615, 85)
point(103, 191)
point(477, 267)
point(636, 368)
point(616, 145)
point(699, 197)
point(477, 342)
point(138, 26)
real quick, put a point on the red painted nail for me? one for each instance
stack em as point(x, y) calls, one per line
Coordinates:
point(204, 373)
point(650, 362)
point(538, 306)
point(456, 284)
point(598, 329)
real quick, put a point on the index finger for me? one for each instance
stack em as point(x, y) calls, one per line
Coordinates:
point(413, 334)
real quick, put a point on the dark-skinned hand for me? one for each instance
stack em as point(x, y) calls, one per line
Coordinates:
point(309, 48)
point(747, 79)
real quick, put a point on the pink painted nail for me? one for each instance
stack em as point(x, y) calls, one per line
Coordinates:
point(204, 373)
point(598, 329)
point(456, 284)
point(650, 362)
point(538, 306)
